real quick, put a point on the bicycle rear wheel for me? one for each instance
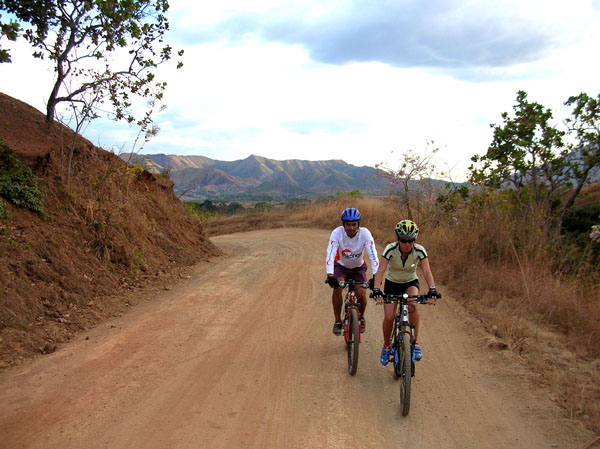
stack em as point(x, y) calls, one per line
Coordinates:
point(405, 374)
point(352, 343)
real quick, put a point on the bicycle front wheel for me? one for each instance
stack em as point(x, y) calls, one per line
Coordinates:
point(405, 374)
point(397, 351)
point(352, 343)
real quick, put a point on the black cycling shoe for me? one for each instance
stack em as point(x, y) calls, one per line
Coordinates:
point(362, 325)
point(337, 328)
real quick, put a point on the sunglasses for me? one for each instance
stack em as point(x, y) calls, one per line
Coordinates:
point(406, 241)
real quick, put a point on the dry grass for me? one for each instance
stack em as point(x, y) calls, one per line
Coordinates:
point(552, 322)
point(112, 230)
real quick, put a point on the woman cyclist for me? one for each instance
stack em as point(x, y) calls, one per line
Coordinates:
point(345, 260)
point(399, 263)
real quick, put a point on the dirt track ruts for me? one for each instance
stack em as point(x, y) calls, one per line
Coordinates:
point(241, 355)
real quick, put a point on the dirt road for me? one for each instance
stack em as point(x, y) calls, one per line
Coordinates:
point(241, 355)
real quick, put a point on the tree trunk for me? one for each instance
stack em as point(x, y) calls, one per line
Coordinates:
point(575, 193)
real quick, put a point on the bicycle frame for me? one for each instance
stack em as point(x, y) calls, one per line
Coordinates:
point(401, 345)
point(351, 328)
point(350, 302)
point(401, 326)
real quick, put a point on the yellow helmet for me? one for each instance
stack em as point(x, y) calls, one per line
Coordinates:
point(407, 229)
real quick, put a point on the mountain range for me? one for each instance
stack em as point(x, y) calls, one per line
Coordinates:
point(197, 178)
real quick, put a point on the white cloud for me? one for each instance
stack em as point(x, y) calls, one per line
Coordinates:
point(352, 80)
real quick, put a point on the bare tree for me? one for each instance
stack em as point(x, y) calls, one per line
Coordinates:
point(414, 176)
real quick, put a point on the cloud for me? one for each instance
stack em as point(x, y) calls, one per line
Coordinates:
point(328, 126)
point(473, 39)
point(350, 80)
point(408, 36)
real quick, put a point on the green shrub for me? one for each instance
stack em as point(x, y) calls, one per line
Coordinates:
point(578, 223)
point(578, 228)
point(17, 183)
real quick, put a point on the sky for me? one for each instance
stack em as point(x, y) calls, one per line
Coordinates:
point(362, 81)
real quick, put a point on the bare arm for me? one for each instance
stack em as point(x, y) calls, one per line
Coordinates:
point(379, 275)
point(427, 272)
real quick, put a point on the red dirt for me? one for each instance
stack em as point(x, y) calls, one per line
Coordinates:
point(109, 232)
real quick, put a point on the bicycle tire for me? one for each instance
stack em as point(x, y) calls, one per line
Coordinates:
point(396, 351)
point(353, 342)
point(406, 374)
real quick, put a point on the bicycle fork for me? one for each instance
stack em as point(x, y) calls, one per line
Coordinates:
point(403, 326)
point(347, 325)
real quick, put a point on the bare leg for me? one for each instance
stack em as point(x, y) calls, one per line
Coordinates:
point(413, 317)
point(336, 300)
point(413, 311)
point(362, 300)
point(389, 311)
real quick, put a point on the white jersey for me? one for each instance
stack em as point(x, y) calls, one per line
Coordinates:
point(348, 252)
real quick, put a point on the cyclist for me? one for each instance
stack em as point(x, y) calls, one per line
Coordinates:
point(345, 260)
point(399, 263)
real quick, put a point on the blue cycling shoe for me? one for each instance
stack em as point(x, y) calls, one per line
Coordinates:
point(386, 351)
point(418, 353)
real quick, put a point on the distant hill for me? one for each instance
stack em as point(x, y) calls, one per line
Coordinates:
point(198, 177)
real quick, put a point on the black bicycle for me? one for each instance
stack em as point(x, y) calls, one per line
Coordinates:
point(403, 344)
point(351, 322)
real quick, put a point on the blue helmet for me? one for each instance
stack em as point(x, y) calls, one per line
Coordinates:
point(351, 214)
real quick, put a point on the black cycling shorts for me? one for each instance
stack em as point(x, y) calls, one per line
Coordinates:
point(395, 288)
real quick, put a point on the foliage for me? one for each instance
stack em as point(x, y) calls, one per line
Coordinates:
point(354, 193)
point(526, 151)
point(452, 197)
point(84, 38)
point(9, 30)
point(232, 208)
point(263, 206)
point(580, 228)
point(585, 152)
point(581, 220)
point(529, 160)
point(208, 208)
point(134, 172)
point(17, 183)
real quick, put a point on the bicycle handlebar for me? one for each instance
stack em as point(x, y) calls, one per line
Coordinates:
point(420, 299)
point(352, 283)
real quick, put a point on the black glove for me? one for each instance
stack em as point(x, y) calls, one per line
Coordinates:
point(433, 293)
point(376, 293)
point(372, 283)
point(332, 281)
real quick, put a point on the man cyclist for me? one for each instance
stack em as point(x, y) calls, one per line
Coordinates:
point(345, 260)
point(399, 266)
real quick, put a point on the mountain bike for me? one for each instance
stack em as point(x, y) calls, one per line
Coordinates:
point(351, 322)
point(403, 344)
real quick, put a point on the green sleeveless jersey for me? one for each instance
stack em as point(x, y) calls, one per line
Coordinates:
point(402, 271)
